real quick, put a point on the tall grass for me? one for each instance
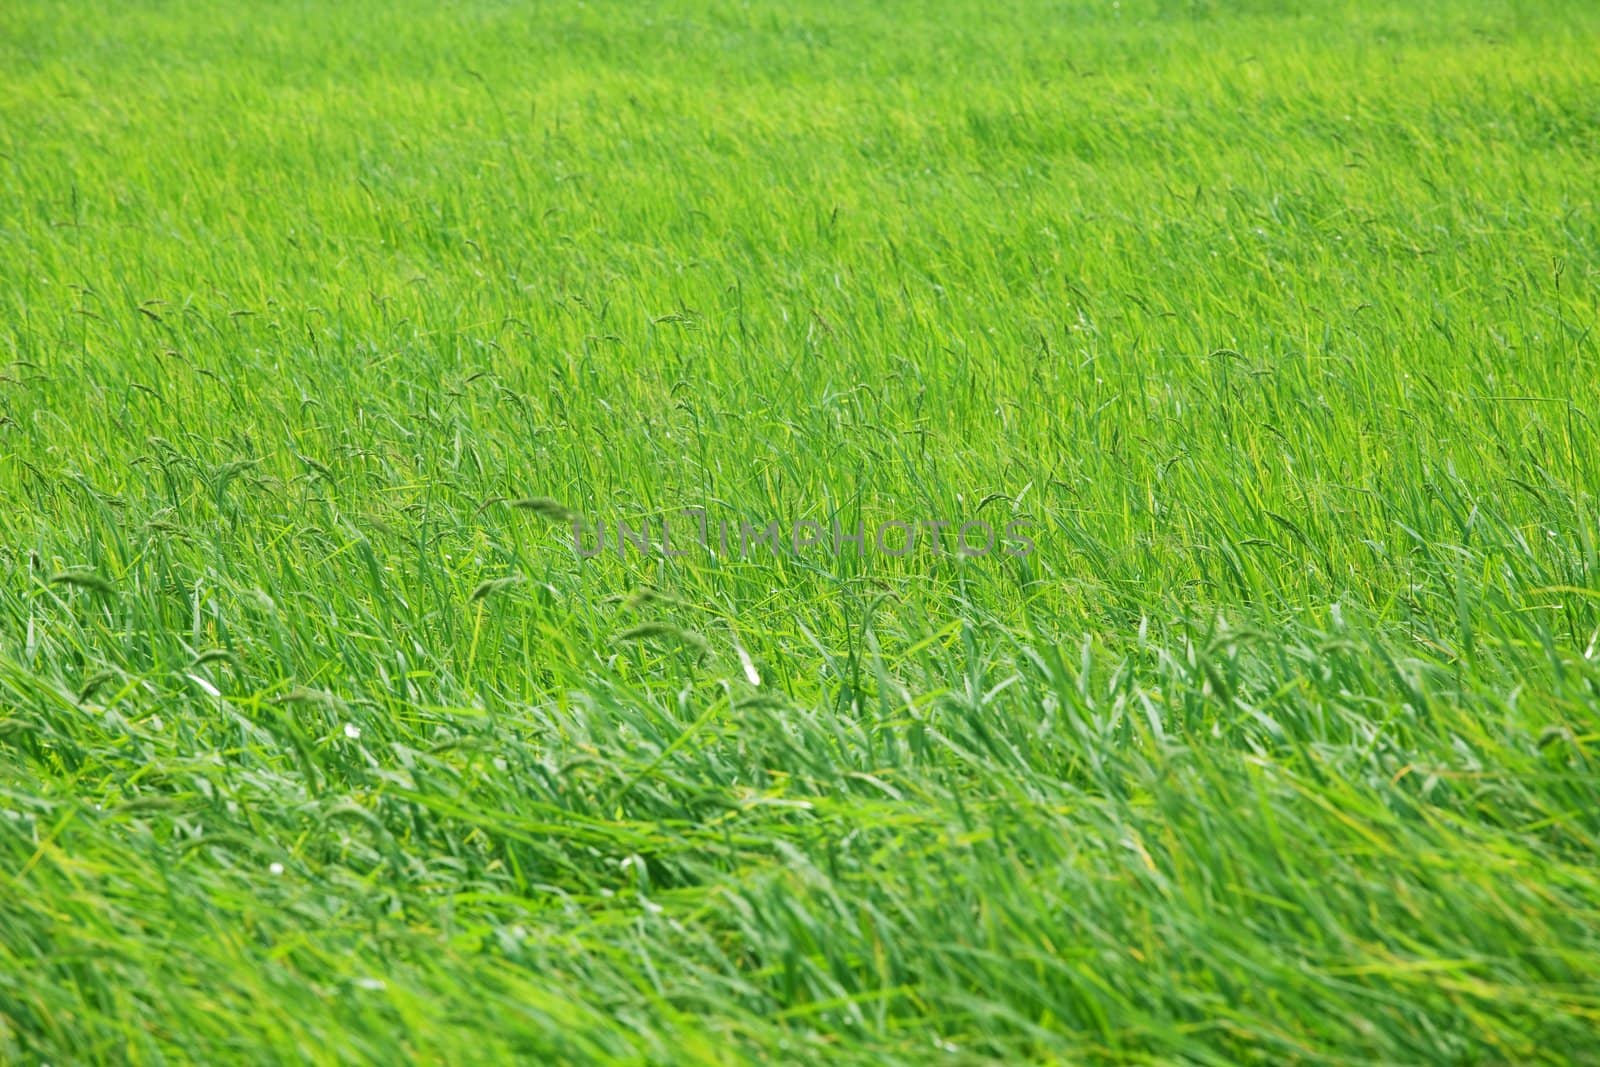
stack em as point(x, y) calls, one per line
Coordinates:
point(1276, 321)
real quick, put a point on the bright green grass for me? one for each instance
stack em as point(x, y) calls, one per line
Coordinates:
point(1279, 320)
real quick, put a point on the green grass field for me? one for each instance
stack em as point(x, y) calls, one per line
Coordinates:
point(320, 742)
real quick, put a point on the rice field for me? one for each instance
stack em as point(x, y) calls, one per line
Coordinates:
point(492, 497)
